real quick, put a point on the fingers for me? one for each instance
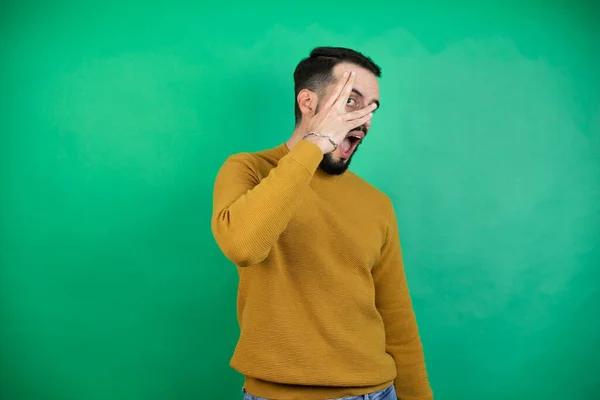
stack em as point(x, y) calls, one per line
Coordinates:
point(360, 113)
point(359, 121)
point(345, 81)
point(347, 89)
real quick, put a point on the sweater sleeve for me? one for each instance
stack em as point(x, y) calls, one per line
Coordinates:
point(393, 301)
point(249, 213)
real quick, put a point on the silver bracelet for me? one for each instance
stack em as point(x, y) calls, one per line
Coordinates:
point(335, 146)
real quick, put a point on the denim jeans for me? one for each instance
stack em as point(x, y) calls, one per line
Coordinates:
point(388, 393)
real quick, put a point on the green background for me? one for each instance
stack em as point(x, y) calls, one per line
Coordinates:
point(117, 115)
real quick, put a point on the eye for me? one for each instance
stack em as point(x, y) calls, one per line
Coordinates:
point(351, 101)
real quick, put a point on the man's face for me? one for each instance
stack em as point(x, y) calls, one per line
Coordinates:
point(364, 92)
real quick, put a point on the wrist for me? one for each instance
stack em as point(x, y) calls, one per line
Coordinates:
point(323, 143)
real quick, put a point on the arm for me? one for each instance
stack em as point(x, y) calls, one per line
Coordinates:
point(249, 214)
point(395, 306)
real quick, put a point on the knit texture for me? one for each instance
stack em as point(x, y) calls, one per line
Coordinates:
point(323, 303)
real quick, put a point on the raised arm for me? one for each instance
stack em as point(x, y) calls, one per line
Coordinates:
point(249, 214)
point(395, 306)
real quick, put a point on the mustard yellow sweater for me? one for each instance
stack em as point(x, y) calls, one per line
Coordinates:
point(323, 303)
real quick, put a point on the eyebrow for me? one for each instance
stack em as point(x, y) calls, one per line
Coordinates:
point(361, 95)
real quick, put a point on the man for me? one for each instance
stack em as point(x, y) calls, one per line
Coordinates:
point(323, 302)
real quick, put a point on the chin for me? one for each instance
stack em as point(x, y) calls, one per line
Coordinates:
point(334, 164)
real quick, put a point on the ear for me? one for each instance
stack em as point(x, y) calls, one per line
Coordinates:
point(307, 102)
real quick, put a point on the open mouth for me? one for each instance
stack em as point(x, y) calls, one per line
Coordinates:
point(350, 143)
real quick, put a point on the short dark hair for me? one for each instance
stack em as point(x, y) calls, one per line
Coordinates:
point(316, 71)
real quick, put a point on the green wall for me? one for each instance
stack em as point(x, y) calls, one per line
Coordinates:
point(116, 117)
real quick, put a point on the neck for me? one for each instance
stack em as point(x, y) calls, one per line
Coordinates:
point(297, 136)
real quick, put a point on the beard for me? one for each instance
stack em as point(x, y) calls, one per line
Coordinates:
point(331, 166)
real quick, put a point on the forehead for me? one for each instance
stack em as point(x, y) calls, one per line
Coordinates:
point(366, 82)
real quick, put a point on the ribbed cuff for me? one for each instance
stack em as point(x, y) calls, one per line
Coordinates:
point(307, 154)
